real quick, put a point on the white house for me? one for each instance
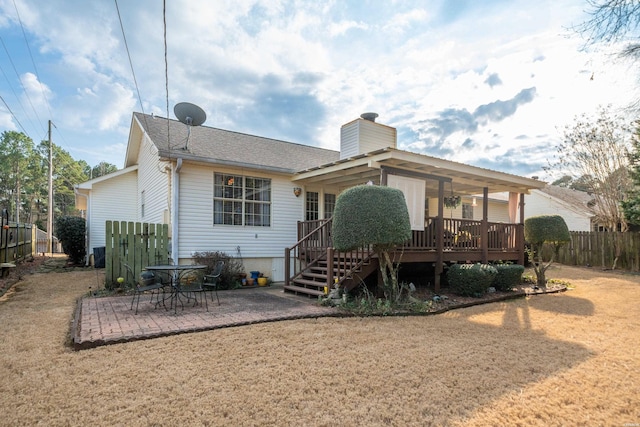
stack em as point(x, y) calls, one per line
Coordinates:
point(572, 205)
point(244, 194)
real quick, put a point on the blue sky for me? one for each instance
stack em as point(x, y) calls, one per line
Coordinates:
point(489, 83)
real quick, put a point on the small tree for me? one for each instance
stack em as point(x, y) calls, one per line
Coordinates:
point(373, 215)
point(70, 230)
point(539, 230)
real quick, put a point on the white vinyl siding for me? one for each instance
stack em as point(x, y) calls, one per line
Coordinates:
point(539, 203)
point(363, 136)
point(198, 233)
point(154, 180)
point(122, 188)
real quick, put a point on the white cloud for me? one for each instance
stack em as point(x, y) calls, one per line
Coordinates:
point(298, 70)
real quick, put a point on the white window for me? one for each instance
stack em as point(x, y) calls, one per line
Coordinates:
point(312, 208)
point(467, 211)
point(329, 205)
point(240, 200)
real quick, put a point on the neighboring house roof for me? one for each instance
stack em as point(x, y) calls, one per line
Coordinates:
point(577, 201)
point(88, 184)
point(218, 146)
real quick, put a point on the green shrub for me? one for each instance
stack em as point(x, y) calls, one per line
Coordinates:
point(70, 230)
point(370, 214)
point(377, 216)
point(230, 276)
point(540, 230)
point(546, 229)
point(471, 279)
point(508, 276)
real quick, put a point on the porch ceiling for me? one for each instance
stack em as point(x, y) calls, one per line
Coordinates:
point(464, 179)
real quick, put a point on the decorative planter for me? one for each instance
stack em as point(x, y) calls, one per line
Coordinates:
point(255, 274)
point(452, 202)
point(262, 281)
point(250, 281)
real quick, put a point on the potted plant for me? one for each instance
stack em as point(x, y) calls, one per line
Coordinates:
point(452, 202)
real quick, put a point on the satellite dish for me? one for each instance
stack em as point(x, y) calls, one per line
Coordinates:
point(189, 114)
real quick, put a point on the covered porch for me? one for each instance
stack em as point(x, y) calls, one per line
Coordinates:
point(494, 233)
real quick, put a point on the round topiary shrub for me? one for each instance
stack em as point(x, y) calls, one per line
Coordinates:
point(508, 276)
point(471, 279)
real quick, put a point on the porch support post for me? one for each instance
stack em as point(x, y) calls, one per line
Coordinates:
point(520, 233)
point(439, 237)
point(330, 267)
point(383, 177)
point(287, 266)
point(484, 226)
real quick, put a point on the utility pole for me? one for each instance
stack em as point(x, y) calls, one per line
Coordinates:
point(50, 207)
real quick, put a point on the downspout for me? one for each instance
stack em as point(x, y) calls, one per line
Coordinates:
point(87, 236)
point(175, 184)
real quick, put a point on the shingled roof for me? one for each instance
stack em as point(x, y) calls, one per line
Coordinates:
point(580, 200)
point(218, 146)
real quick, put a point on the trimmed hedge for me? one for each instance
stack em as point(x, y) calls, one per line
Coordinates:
point(546, 229)
point(509, 275)
point(370, 214)
point(471, 279)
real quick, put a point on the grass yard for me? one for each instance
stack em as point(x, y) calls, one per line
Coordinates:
point(563, 359)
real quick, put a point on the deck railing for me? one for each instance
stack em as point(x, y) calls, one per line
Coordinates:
point(465, 235)
point(460, 235)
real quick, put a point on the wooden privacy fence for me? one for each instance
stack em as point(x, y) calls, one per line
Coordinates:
point(17, 242)
point(598, 249)
point(138, 244)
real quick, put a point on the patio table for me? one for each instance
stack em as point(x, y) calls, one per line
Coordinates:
point(176, 273)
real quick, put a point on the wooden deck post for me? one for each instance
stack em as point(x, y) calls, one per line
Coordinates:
point(287, 266)
point(520, 233)
point(484, 226)
point(330, 267)
point(439, 237)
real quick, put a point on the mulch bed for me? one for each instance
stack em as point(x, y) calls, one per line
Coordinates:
point(446, 300)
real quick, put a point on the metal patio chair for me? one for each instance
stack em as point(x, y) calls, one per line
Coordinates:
point(211, 280)
point(147, 281)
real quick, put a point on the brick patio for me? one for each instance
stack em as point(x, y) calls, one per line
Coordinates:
point(110, 320)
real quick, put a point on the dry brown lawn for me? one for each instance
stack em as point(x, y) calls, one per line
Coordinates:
point(563, 359)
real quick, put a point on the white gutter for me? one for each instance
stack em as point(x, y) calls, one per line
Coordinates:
point(175, 175)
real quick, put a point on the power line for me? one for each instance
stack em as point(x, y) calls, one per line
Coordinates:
point(15, 70)
point(24, 34)
point(166, 66)
point(14, 116)
point(126, 45)
point(17, 99)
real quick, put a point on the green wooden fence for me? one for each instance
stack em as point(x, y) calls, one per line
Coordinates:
point(138, 244)
point(597, 249)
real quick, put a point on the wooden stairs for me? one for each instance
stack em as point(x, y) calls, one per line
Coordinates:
point(348, 271)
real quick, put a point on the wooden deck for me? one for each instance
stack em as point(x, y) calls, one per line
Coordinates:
point(313, 267)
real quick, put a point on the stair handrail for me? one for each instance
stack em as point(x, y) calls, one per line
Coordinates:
point(321, 252)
